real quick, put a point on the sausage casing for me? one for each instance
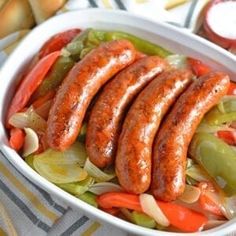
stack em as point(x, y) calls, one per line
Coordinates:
point(172, 141)
point(134, 151)
point(79, 87)
point(108, 111)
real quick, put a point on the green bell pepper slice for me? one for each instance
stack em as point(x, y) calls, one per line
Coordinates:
point(90, 198)
point(142, 219)
point(217, 158)
point(55, 76)
point(77, 45)
point(77, 188)
point(98, 36)
point(224, 112)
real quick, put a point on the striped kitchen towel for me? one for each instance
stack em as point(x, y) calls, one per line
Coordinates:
point(27, 209)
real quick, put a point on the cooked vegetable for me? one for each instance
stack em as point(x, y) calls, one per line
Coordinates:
point(77, 151)
point(44, 109)
point(78, 188)
point(105, 187)
point(232, 89)
point(177, 61)
point(151, 208)
point(191, 194)
point(195, 171)
point(82, 134)
point(120, 200)
point(55, 76)
point(43, 99)
point(61, 167)
point(31, 143)
point(230, 207)
point(228, 136)
point(210, 200)
point(198, 67)
point(144, 220)
point(214, 223)
point(75, 47)
point(30, 83)
point(90, 198)
point(57, 42)
point(30, 160)
point(215, 117)
point(28, 119)
point(96, 173)
point(204, 127)
point(209, 177)
point(85, 51)
point(217, 158)
point(17, 138)
point(178, 216)
point(97, 36)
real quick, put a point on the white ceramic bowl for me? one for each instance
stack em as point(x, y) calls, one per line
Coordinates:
point(176, 40)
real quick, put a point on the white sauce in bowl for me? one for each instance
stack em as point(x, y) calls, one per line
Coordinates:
point(222, 19)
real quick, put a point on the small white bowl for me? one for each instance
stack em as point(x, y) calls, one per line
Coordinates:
point(175, 39)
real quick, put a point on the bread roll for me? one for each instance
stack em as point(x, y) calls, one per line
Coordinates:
point(15, 15)
point(2, 3)
point(43, 9)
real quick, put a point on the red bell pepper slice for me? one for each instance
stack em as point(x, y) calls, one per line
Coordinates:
point(198, 67)
point(17, 138)
point(57, 42)
point(30, 83)
point(43, 99)
point(179, 216)
point(206, 203)
point(232, 89)
point(227, 136)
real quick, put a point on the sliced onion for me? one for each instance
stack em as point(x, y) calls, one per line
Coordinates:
point(77, 151)
point(177, 61)
point(31, 143)
point(233, 125)
point(190, 195)
point(213, 223)
point(78, 188)
point(44, 109)
point(58, 167)
point(127, 214)
point(100, 188)
point(28, 119)
point(205, 128)
point(197, 173)
point(95, 172)
point(230, 207)
point(151, 208)
point(227, 98)
point(217, 199)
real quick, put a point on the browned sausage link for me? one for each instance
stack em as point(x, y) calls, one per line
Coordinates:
point(80, 86)
point(172, 141)
point(107, 115)
point(134, 151)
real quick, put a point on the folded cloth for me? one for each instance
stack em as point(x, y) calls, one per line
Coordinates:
point(27, 209)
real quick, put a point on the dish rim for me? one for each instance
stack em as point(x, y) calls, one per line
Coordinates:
point(25, 170)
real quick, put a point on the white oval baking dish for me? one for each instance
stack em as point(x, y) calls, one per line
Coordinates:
point(175, 39)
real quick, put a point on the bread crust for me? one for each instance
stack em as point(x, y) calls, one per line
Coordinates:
point(43, 9)
point(15, 15)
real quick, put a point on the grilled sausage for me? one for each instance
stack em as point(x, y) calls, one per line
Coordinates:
point(79, 87)
point(134, 151)
point(108, 112)
point(172, 141)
